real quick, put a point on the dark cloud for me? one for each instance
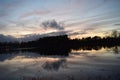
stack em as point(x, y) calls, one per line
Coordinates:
point(117, 24)
point(78, 33)
point(52, 24)
point(32, 37)
point(4, 38)
point(57, 33)
point(90, 28)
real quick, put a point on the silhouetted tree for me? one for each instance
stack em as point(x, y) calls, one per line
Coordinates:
point(115, 34)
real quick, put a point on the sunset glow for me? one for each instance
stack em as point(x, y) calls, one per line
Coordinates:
point(77, 18)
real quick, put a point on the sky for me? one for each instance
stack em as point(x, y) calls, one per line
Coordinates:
point(77, 18)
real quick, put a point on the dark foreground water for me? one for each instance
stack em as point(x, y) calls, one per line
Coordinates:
point(103, 64)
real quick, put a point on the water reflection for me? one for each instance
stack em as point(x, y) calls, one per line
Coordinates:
point(54, 65)
point(29, 54)
point(81, 64)
point(116, 50)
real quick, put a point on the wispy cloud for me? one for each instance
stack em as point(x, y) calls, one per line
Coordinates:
point(3, 27)
point(35, 13)
point(7, 7)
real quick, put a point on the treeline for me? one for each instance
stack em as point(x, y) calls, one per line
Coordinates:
point(96, 41)
point(55, 43)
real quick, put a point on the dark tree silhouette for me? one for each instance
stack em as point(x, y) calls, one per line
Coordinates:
point(115, 34)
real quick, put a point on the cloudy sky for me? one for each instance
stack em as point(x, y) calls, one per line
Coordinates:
point(78, 18)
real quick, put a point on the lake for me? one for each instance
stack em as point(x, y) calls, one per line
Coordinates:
point(102, 64)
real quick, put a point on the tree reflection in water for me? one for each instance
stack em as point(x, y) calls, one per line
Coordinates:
point(116, 50)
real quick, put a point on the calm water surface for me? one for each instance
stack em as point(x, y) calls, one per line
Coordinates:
point(103, 64)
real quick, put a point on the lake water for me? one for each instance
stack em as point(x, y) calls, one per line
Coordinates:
point(103, 64)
